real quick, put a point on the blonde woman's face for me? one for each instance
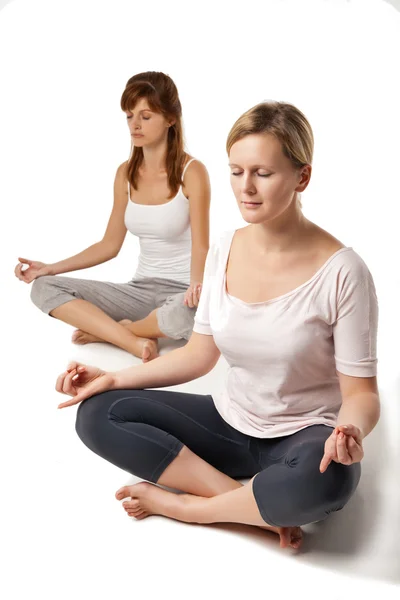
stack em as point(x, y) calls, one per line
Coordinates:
point(263, 179)
point(146, 126)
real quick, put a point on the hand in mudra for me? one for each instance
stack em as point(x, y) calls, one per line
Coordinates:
point(81, 382)
point(35, 269)
point(344, 446)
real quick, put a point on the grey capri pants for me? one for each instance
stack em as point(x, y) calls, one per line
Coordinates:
point(134, 300)
point(142, 431)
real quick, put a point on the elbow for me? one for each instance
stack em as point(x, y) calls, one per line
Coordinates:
point(114, 253)
point(200, 248)
point(110, 250)
point(204, 364)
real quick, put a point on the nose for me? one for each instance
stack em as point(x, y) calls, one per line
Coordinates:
point(247, 182)
point(135, 123)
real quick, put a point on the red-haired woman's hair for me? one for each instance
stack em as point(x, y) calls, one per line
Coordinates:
point(161, 94)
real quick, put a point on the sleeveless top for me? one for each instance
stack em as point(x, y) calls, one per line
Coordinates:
point(164, 234)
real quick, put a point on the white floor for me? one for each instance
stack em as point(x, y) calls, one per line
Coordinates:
point(65, 534)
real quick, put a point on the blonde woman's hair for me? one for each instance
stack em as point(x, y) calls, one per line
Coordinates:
point(282, 120)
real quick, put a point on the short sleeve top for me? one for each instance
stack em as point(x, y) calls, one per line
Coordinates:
point(284, 354)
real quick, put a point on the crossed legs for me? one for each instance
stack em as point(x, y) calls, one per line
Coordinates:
point(180, 441)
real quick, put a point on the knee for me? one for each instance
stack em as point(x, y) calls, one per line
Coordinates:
point(90, 421)
point(40, 290)
point(322, 492)
point(297, 493)
point(337, 485)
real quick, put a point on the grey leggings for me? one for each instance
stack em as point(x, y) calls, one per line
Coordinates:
point(142, 431)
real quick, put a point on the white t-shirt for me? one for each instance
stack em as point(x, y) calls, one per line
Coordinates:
point(283, 353)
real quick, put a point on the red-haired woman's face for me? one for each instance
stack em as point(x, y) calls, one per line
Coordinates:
point(146, 127)
point(263, 179)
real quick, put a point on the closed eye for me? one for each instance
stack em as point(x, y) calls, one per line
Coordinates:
point(259, 174)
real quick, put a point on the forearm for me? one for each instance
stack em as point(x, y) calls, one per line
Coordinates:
point(199, 255)
point(176, 367)
point(94, 255)
point(361, 410)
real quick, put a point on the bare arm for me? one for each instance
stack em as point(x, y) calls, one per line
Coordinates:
point(113, 238)
point(197, 358)
point(197, 188)
point(360, 404)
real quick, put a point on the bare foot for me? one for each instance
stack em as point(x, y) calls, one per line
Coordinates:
point(148, 499)
point(81, 337)
point(149, 349)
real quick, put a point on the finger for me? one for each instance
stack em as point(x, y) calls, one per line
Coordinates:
point(77, 367)
point(352, 443)
point(68, 385)
point(197, 294)
point(25, 261)
point(190, 299)
point(341, 449)
point(351, 430)
point(19, 273)
point(75, 400)
point(60, 382)
point(325, 462)
point(355, 451)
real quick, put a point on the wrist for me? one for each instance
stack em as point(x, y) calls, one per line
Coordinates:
point(363, 434)
point(115, 380)
point(51, 269)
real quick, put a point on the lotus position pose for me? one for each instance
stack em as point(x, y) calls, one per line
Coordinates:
point(294, 313)
point(161, 195)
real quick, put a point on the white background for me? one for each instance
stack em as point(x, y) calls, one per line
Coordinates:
point(63, 68)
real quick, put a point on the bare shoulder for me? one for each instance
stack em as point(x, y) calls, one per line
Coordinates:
point(196, 181)
point(121, 183)
point(196, 169)
point(122, 172)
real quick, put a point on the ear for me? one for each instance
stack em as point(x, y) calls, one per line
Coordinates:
point(304, 178)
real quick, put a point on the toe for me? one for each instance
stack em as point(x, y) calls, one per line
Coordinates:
point(141, 516)
point(123, 492)
point(131, 505)
point(297, 538)
point(284, 535)
point(146, 353)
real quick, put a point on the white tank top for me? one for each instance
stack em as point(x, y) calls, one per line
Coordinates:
point(164, 236)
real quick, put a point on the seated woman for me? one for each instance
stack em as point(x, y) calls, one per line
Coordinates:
point(294, 312)
point(164, 202)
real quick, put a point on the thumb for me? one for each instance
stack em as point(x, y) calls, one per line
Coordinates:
point(25, 261)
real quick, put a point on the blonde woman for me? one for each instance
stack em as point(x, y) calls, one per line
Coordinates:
point(294, 312)
point(161, 195)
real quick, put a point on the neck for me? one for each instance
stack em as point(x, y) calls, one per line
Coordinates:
point(283, 233)
point(154, 157)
